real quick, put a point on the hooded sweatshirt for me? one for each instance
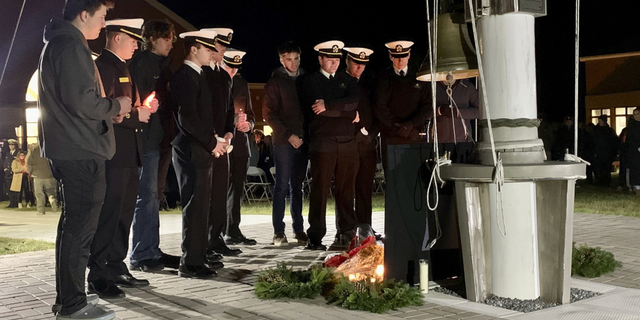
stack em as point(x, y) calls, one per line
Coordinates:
point(75, 120)
point(281, 106)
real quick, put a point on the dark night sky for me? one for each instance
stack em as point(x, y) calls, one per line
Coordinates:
point(259, 26)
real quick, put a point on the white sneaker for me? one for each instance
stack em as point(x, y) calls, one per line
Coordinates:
point(280, 239)
point(89, 312)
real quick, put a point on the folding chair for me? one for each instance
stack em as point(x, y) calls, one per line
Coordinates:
point(378, 179)
point(260, 188)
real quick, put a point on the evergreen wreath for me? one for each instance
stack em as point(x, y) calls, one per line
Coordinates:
point(592, 262)
point(377, 297)
point(284, 282)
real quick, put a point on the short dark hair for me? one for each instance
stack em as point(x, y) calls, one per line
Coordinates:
point(288, 47)
point(188, 43)
point(157, 29)
point(72, 8)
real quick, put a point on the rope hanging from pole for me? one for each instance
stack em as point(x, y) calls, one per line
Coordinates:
point(577, 71)
point(498, 173)
point(15, 31)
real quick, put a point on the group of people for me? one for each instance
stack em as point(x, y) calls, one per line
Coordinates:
point(601, 146)
point(28, 178)
point(111, 128)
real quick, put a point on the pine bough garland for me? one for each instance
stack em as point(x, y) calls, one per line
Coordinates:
point(377, 297)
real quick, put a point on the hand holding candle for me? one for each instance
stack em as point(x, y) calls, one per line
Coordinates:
point(151, 102)
point(241, 121)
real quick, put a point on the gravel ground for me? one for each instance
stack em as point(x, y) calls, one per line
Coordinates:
point(524, 305)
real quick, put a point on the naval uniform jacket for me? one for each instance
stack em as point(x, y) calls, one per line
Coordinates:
point(117, 82)
point(223, 112)
point(194, 115)
point(401, 100)
point(341, 101)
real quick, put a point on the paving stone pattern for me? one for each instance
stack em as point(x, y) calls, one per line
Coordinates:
point(27, 286)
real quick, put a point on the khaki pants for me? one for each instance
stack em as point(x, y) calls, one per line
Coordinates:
point(46, 188)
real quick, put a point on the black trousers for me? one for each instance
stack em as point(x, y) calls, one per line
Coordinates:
point(163, 171)
point(218, 206)
point(192, 164)
point(111, 241)
point(238, 165)
point(331, 157)
point(83, 189)
point(364, 182)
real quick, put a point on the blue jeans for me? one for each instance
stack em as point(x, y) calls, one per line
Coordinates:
point(146, 220)
point(291, 168)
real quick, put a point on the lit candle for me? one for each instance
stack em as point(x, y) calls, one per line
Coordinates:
point(424, 276)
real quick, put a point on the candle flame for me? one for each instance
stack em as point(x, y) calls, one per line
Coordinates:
point(147, 101)
point(352, 277)
point(380, 270)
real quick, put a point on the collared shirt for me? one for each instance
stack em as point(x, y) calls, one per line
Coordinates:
point(115, 55)
point(398, 71)
point(292, 75)
point(193, 65)
point(327, 74)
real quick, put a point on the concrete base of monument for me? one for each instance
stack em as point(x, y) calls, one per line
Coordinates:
point(516, 242)
point(601, 306)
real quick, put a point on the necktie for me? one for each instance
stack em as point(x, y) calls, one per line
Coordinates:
point(402, 73)
point(330, 77)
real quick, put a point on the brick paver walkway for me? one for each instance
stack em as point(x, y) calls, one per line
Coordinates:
point(27, 287)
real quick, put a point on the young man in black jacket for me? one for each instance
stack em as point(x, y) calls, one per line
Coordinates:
point(239, 158)
point(365, 132)
point(110, 243)
point(151, 74)
point(194, 149)
point(282, 111)
point(219, 83)
point(77, 137)
point(330, 103)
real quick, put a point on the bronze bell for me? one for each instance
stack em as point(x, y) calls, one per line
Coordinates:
point(456, 54)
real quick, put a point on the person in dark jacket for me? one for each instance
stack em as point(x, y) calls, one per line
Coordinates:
point(402, 103)
point(194, 148)
point(453, 115)
point(151, 74)
point(332, 144)
point(402, 107)
point(77, 137)
point(107, 269)
point(8, 173)
point(366, 132)
point(239, 158)
point(633, 151)
point(223, 114)
point(563, 140)
point(282, 111)
point(605, 143)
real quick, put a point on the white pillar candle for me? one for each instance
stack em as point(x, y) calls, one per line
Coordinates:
point(424, 276)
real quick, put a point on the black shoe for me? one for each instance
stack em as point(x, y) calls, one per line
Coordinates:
point(213, 256)
point(301, 237)
point(226, 251)
point(105, 289)
point(198, 272)
point(214, 265)
point(241, 240)
point(170, 261)
point(312, 246)
point(128, 281)
point(341, 242)
point(149, 265)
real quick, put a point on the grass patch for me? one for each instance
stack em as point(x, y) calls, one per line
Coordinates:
point(12, 246)
point(608, 201)
point(4, 204)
